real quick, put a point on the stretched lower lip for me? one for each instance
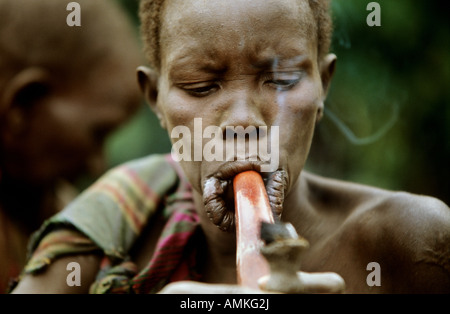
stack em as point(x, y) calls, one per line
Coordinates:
point(218, 191)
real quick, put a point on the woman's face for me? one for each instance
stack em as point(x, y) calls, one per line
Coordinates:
point(240, 64)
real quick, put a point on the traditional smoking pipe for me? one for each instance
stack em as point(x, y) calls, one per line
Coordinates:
point(264, 246)
point(251, 208)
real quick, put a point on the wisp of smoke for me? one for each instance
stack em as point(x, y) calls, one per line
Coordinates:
point(350, 135)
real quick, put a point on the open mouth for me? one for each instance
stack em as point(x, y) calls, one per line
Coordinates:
point(218, 195)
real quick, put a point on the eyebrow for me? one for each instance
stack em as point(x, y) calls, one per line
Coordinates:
point(205, 66)
point(211, 66)
point(277, 61)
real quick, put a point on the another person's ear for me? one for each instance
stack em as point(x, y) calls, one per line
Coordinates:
point(19, 95)
point(327, 68)
point(148, 82)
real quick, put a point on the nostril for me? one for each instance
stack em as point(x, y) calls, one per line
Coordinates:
point(262, 131)
point(240, 132)
point(227, 133)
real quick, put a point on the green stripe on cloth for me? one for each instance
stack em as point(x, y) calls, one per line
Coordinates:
point(113, 217)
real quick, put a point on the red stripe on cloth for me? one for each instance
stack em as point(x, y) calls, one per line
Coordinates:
point(62, 240)
point(142, 186)
point(128, 210)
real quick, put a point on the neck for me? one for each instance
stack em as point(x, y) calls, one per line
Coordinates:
point(300, 212)
point(294, 202)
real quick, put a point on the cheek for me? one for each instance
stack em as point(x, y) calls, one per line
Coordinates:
point(175, 110)
point(73, 131)
point(64, 134)
point(179, 109)
point(304, 101)
point(298, 110)
point(297, 121)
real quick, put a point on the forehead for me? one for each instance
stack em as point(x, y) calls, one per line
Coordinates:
point(212, 27)
point(233, 10)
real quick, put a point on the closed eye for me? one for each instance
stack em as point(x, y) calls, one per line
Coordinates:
point(282, 81)
point(284, 84)
point(200, 89)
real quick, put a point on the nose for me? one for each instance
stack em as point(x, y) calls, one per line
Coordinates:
point(244, 124)
point(245, 109)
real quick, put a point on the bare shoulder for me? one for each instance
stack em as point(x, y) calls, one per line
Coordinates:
point(411, 236)
point(358, 200)
point(407, 234)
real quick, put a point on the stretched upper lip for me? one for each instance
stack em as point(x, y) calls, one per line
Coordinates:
point(229, 170)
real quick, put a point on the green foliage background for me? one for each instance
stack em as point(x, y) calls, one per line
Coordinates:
point(387, 118)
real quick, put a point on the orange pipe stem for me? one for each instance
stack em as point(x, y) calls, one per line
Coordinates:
point(252, 207)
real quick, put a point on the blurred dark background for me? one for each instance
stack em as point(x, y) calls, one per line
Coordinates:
point(387, 117)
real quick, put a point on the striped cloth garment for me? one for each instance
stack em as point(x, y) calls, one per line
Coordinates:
point(110, 216)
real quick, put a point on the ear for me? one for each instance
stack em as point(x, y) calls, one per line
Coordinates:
point(20, 93)
point(148, 82)
point(327, 68)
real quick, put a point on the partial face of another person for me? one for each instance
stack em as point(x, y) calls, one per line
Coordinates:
point(241, 63)
point(62, 135)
